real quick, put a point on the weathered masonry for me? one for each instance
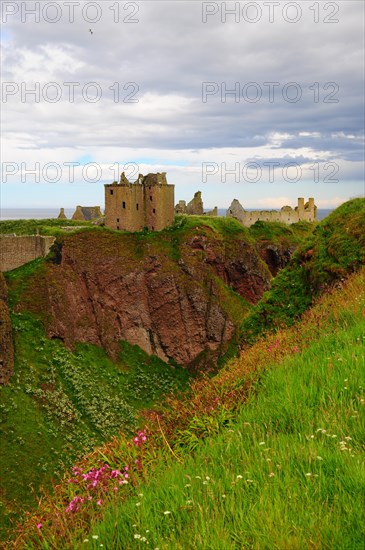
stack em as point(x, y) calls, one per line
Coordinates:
point(16, 251)
point(286, 214)
point(148, 202)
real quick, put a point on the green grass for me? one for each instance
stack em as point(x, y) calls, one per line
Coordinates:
point(287, 473)
point(277, 232)
point(43, 227)
point(59, 405)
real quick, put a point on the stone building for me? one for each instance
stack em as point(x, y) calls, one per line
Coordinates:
point(62, 215)
point(87, 213)
point(286, 214)
point(195, 207)
point(83, 213)
point(148, 202)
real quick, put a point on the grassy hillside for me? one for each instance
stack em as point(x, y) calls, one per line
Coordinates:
point(334, 249)
point(59, 405)
point(268, 454)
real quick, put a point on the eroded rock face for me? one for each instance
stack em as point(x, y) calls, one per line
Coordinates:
point(106, 288)
point(276, 257)
point(6, 342)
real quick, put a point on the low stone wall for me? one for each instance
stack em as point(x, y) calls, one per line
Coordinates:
point(17, 251)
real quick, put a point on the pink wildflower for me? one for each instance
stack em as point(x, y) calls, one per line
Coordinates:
point(39, 526)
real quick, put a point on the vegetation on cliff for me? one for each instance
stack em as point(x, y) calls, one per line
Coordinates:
point(334, 249)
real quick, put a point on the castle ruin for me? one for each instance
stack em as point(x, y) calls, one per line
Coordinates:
point(195, 207)
point(148, 202)
point(286, 214)
point(83, 213)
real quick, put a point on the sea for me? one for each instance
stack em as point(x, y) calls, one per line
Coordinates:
point(49, 213)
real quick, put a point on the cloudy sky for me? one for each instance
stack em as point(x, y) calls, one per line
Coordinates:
point(259, 101)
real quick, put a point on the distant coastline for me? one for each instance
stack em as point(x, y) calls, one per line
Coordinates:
point(45, 213)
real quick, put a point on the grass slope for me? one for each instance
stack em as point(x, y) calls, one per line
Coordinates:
point(288, 473)
point(60, 405)
point(268, 454)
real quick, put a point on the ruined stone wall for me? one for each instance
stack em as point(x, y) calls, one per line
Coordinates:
point(287, 214)
point(17, 251)
point(195, 206)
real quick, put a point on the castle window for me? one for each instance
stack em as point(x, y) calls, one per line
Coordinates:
point(117, 226)
point(150, 197)
point(137, 206)
point(154, 210)
point(123, 204)
point(111, 191)
point(118, 220)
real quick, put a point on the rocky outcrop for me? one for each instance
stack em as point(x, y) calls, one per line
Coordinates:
point(276, 256)
point(6, 342)
point(106, 288)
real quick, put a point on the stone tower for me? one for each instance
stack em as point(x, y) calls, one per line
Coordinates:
point(148, 202)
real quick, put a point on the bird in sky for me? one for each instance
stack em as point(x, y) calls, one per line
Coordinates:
point(91, 32)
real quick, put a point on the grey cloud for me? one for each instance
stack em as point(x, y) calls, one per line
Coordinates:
point(170, 51)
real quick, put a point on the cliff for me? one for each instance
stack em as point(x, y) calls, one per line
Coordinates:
point(6, 343)
point(171, 293)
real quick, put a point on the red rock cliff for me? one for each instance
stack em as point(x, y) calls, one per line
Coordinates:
point(168, 296)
